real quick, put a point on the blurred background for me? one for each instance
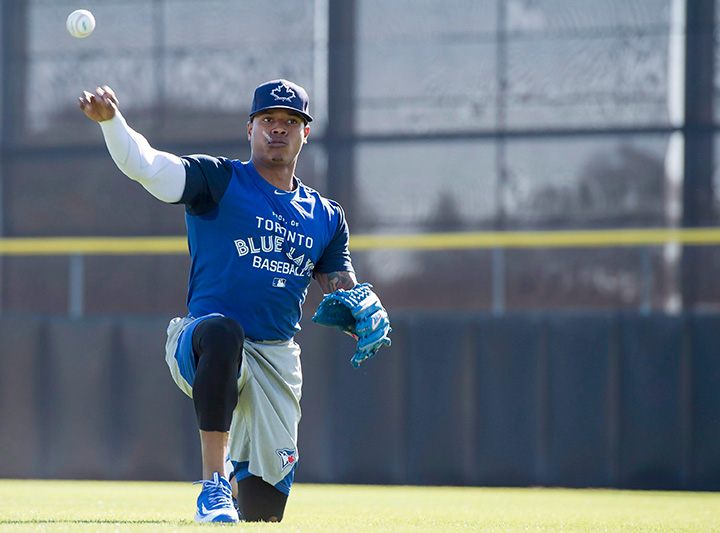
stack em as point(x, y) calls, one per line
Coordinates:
point(510, 365)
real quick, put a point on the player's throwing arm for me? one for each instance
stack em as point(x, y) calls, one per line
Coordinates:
point(162, 174)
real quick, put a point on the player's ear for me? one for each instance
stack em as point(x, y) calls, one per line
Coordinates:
point(307, 132)
point(249, 128)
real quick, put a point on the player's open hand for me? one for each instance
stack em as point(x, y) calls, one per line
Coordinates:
point(100, 105)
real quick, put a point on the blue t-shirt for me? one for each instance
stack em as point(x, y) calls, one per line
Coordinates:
point(255, 248)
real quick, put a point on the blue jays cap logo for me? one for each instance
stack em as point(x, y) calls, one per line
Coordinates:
point(281, 94)
point(287, 457)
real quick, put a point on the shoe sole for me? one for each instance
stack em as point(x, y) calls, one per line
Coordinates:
point(216, 517)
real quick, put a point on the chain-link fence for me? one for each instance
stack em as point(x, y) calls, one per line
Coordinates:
point(430, 116)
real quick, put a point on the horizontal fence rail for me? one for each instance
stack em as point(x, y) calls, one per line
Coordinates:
point(363, 242)
point(77, 248)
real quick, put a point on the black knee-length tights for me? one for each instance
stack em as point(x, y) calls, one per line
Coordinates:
point(218, 345)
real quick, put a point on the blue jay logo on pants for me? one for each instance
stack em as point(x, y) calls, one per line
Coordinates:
point(287, 457)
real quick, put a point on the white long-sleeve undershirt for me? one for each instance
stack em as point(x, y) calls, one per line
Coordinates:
point(161, 173)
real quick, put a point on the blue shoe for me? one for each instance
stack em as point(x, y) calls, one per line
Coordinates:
point(215, 501)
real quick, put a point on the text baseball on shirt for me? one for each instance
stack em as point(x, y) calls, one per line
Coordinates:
point(273, 242)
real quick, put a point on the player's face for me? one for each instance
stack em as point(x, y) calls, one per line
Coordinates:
point(277, 135)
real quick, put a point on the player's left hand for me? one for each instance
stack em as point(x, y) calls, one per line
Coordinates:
point(359, 313)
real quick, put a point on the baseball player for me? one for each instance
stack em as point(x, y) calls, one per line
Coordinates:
point(257, 236)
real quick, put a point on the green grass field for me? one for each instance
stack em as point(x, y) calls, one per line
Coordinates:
point(137, 506)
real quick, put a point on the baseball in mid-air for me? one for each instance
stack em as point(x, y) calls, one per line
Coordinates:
point(80, 23)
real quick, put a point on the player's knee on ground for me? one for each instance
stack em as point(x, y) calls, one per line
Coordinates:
point(259, 501)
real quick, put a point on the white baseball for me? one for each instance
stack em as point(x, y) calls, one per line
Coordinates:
point(80, 23)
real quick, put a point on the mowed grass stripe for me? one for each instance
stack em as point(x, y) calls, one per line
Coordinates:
point(152, 506)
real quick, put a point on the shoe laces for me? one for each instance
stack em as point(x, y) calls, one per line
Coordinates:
point(218, 493)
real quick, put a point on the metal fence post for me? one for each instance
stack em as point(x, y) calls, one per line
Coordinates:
point(646, 281)
point(76, 286)
point(498, 281)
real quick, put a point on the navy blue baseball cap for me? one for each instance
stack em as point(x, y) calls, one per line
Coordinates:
point(281, 94)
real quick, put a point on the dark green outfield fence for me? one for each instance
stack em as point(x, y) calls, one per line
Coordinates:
point(601, 399)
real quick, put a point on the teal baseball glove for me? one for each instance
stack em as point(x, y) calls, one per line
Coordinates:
point(359, 313)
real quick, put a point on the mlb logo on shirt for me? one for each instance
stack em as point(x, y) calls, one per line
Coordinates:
point(279, 282)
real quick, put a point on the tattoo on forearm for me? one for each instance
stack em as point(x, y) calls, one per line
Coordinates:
point(336, 280)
